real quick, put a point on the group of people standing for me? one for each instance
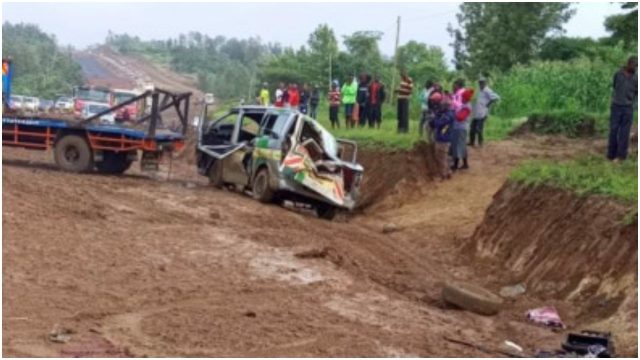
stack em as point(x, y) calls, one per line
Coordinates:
point(305, 100)
point(362, 99)
point(447, 118)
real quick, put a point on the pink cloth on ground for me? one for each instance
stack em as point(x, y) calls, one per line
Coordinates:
point(546, 315)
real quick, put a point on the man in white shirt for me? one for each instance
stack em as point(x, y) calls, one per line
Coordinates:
point(486, 97)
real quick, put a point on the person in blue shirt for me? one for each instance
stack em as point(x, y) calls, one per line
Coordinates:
point(441, 124)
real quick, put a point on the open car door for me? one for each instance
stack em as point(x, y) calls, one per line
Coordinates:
point(216, 138)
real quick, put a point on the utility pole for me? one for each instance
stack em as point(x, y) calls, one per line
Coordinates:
point(330, 71)
point(395, 61)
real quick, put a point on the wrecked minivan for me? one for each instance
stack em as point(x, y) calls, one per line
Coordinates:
point(279, 154)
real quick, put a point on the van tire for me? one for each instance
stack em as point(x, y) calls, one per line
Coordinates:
point(326, 212)
point(215, 174)
point(73, 153)
point(472, 298)
point(261, 186)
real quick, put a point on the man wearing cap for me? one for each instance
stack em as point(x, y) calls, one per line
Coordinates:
point(486, 97)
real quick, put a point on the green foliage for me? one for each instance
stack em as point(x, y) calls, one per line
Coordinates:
point(585, 176)
point(567, 48)
point(577, 85)
point(422, 61)
point(41, 68)
point(227, 67)
point(624, 27)
point(567, 122)
point(500, 35)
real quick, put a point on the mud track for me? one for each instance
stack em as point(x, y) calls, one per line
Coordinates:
point(141, 266)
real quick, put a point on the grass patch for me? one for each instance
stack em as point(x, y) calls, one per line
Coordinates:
point(591, 175)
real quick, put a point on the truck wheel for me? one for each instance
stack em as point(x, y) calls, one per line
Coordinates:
point(471, 297)
point(72, 153)
point(113, 163)
point(326, 212)
point(215, 174)
point(262, 191)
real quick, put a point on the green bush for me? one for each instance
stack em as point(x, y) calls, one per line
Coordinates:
point(578, 85)
point(567, 122)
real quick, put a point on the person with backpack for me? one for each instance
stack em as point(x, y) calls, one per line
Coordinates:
point(430, 87)
point(441, 124)
point(334, 105)
point(314, 101)
point(377, 96)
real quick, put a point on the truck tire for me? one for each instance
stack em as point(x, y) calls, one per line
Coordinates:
point(215, 174)
point(262, 190)
point(113, 163)
point(472, 298)
point(72, 153)
point(326, 212)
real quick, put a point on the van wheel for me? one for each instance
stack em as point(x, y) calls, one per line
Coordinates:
point(215, 174)
point(113, 163)
point(72, 153)
point(262, 191)
point(326, 212)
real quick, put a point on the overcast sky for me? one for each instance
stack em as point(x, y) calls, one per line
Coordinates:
point(83, 24)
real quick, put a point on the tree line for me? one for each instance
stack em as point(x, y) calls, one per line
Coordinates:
point(40, 67)
point(489, 39)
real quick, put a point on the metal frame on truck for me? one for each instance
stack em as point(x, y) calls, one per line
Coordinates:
point(84, 145)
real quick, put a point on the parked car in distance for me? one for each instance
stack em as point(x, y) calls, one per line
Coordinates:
point(279, 154)
point(64, 103)
point(45, 105)
point(30, 103)
point(15, 102)
point(91, 109)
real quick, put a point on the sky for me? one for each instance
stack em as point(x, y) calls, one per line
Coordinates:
point(84, 24)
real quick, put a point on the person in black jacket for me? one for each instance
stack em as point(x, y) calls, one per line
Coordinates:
point(313, 102)
point(362, 98)
point(377, 96)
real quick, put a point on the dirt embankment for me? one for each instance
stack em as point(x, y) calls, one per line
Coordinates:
point(564, 247)
point(387, 171)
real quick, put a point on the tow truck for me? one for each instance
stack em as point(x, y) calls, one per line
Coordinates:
point(86, 145)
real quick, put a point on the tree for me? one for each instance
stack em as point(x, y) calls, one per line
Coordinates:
point(363, 49)
point(41, 68)
point(624, 27)
point(323, 48)
point(500, 35)
point(422, 61)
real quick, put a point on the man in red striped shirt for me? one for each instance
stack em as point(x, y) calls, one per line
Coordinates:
point(404, 95)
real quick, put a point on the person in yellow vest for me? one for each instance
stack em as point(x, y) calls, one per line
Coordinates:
point(264, 95)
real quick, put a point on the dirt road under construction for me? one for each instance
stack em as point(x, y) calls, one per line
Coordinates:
point(164, 265)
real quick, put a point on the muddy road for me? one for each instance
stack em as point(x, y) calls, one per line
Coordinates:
point(139, 265)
